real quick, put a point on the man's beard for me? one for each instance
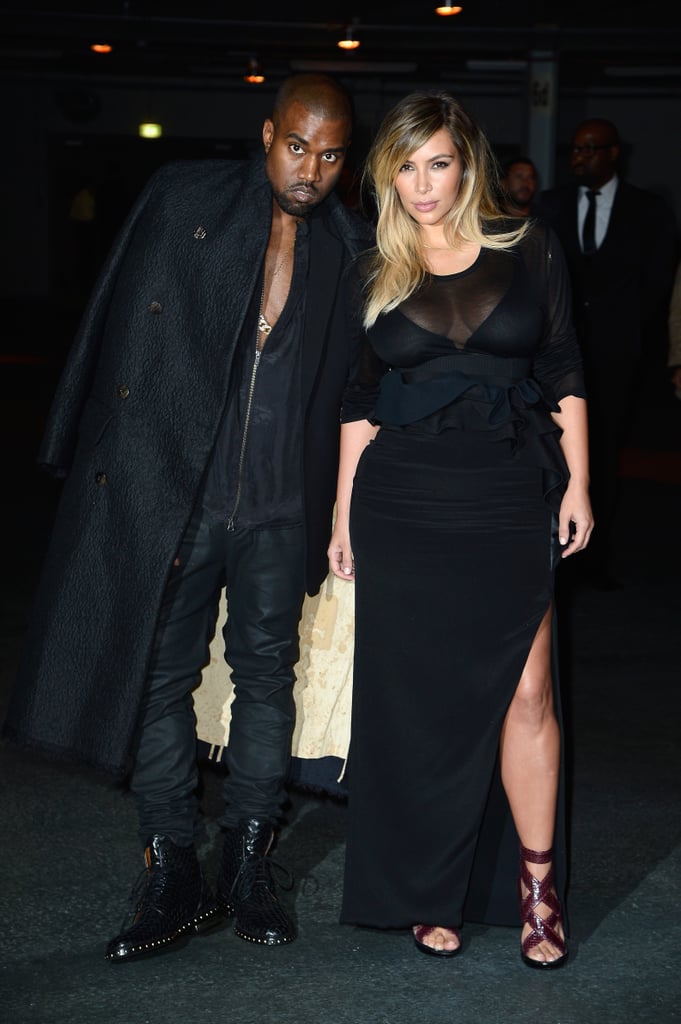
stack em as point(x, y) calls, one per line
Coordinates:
point(294, 209)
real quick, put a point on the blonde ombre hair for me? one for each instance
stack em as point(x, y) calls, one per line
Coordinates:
point(396, 267)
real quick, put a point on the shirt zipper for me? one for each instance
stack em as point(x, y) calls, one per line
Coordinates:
point(244, 438)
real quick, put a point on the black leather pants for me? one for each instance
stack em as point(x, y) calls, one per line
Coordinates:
point(263, 571)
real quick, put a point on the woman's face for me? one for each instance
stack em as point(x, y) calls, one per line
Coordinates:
point(428, 182)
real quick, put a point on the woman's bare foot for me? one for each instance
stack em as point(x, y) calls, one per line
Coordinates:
point(436, 939)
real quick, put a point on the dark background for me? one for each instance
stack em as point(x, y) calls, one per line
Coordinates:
point(68, 849)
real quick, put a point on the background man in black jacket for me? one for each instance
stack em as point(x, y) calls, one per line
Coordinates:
point(196, 425)
point(622, 259)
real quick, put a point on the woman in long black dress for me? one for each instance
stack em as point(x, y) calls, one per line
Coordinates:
point(463, 482)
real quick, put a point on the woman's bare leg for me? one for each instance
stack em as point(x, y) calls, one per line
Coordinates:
point(530, 757)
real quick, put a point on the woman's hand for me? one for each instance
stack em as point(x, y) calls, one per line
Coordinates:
point(575, 521)
point(341, 562)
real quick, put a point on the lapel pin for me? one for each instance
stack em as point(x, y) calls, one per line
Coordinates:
point(200, 232)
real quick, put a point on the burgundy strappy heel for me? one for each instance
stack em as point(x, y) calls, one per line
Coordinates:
point(540, 891)
point(419, 933)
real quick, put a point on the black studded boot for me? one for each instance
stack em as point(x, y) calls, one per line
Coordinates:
point(246, 887)
point(174, 901)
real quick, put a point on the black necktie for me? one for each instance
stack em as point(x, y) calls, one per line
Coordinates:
point(589, 229)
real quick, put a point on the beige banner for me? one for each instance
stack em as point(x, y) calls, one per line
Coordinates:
point(323, 688)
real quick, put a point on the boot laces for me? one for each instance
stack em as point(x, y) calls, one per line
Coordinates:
point(148, 889)
point(257, 873)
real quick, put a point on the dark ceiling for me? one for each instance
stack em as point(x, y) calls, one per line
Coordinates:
point(629, 44)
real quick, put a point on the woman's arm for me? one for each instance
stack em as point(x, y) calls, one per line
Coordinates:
point(355, 436)
point(575, 507)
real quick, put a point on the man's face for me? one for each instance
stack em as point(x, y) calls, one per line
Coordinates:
point(520, 184)
point(593, 156)
point(305, 155)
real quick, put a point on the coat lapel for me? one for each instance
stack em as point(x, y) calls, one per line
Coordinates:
point(326, 266)
point(237, 229)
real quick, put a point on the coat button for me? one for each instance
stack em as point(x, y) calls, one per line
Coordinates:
point(155, 307)
point(123, 390)
point(100, 478)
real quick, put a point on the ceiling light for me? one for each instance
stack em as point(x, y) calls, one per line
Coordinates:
point(348, 42)
point(254, 75)
point(149, 130)
point(445, 9)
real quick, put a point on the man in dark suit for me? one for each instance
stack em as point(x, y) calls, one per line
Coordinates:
point(196, 425)
point(620, 243)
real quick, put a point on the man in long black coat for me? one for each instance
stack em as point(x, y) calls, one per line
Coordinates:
point(196, 425)
point(621, 283)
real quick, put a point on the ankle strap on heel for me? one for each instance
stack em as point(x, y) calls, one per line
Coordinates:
point(536, 856)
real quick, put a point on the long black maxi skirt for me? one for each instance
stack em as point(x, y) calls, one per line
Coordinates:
point(455, 552)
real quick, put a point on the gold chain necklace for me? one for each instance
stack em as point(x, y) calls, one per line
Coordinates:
point(264, 326)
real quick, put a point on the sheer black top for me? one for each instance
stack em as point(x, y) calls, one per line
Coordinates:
point(492, 348)
point(512, 306)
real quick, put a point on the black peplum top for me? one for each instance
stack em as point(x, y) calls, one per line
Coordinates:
point(491, 349)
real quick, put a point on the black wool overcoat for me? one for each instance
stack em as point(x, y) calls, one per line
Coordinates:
point(132, 428)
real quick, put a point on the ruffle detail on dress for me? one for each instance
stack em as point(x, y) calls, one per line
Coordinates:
point(514, 411)
point(402, 401)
